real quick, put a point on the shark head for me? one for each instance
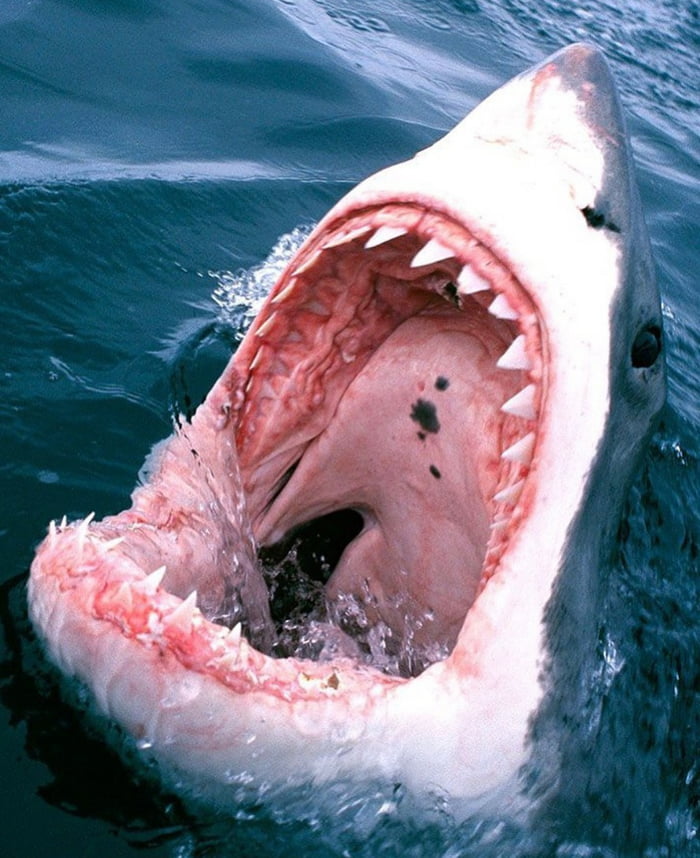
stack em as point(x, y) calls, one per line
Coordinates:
point(430, 425)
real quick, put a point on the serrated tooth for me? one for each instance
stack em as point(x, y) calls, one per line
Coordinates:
point(501, 308)
point(108, 546)
point(515, 356)
point(521, 451)
point(286, 292)
point(522, 404)
point(510, 494)
point(266, 325)
point(384, 234)
point(346, 237)
point(433, 251)
point(153, 581)
point(183, 614)
point(469, 282)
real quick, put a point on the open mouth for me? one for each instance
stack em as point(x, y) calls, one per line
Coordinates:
point(353, 479)
point(388, 409)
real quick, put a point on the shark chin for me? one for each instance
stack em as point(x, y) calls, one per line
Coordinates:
point(349, 565)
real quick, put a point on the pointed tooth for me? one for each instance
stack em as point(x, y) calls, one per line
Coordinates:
point(522, 404)
point(470, 282)
point(52, 533)
point(347, 237)
point(521, 451)
point(235, 634)
point(151, 582)
point(433, 251)
point(108, 546)
point(499, 523)
point(501, 308)
point(184, 612)
point(286, 292)
point(515, 356)
point(266, 325)
point(82, 531)
point(384, 234)
point(510, 494)
point(307, 264)
point(124, 595)
point(64, 523)
point(257, 358)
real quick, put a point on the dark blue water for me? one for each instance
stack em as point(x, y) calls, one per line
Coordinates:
point(149, 149)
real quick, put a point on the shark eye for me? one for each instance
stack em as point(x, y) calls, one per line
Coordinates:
point(646, 347)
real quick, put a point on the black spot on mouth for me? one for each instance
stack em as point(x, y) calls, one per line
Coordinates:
point(450, 292)
point(442, 383)
point(435, 472)
point(425, 414)
point(597, 219)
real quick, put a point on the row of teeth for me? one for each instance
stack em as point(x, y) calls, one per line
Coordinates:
point(522, 405)
point(231, 650)
point(185, 615)
point(525, 403)
point(469, 282)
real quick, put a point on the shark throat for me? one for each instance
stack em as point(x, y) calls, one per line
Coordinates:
point(391, 403)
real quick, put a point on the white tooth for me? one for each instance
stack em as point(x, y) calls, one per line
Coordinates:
point(470, 282)
point(124, 595)
point(501, 308)
point(52, 533)
point(433, 251)
point(243, 653)
point(258, 357)
point(64, 523)
point(185, 610)
point(235, 634)
point(108, 546)
point(286, 292)
point(266, 325)
point(510, 494)
point(515, 356)
point(522, 404)
point(521, 451)
point(347, 237)
point(82, 530)
point(499, 523)
point(384, 234)
point(307, 264)
point(151, 582)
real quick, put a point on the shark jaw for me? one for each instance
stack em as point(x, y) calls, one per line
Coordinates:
point(463, 361)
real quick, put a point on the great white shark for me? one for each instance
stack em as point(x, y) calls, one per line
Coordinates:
point(453, 380)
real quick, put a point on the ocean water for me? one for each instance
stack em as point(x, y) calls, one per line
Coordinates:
point(150, 152)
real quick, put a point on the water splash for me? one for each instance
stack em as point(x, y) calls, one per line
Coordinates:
point(239, 295)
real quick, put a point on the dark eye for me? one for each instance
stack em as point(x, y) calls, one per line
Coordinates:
point(646, 347)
